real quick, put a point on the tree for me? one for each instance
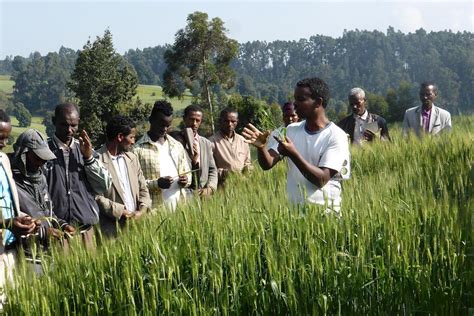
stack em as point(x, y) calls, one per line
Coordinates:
point(398, 101)
point(257, 112)
point(22, 115)
point(377, 104)
point(103, 81)
point(201, 53)
point(40, 81)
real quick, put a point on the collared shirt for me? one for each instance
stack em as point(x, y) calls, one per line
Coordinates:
point(66, 151)
point(122, 171)
point(230, 153)
point(425, 116)
point(360, 121)
point(6, 203)
point(148, 153)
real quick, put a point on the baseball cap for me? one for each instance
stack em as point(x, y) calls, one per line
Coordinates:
point(34, 140)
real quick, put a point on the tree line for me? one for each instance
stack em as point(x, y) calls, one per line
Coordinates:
point(388, 66)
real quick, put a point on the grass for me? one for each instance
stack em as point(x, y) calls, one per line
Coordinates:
point(6, 84)
point(150, 94)
point(402, 246)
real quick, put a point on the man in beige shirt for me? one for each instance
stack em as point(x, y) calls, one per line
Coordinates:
point(230, 150)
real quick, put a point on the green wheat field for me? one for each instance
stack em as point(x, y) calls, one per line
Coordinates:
point(403, 245)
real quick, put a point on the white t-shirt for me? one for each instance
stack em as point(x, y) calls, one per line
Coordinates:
point(327, 148)
point(168, 168)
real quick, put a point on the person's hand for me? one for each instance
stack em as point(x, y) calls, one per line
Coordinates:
point(165, 182)
point(254, 136)
point(24, 225)
point(205, 192)
point(127, 214)
point(69, 229)
point(286, 147)
point(56, 233)
point(137, 214)
point(183, 180)
point(368, 135)
point(85, 145)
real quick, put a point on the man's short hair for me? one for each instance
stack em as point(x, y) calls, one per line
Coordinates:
point(318, 88)
point(119, 124)
point(4, 116)
point(357, 93)
point(226, 111)
point(427, 84)
point(64, 107)
point(162, 106)
point(192, 108)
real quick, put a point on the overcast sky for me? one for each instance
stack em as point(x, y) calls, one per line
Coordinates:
point(27, 26)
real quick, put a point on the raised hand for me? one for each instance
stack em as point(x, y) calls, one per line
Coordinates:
point(85, 145)
point(254, 136)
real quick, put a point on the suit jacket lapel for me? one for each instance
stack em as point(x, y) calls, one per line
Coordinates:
point(132, 178)
point(419, 118)
point(434, 117)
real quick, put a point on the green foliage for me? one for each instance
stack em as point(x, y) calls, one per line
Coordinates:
point(21, 113)
point(40, 81)
point(102, 81)
point(139, 112)
point(376, 103)
point(399, 100)
point(257, 112)
point(402, 246)
point(47, 121)
point(5, 101)
point(200, 59)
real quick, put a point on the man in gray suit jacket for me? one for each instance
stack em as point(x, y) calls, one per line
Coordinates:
point(128, 197)
point(427, 118)
point(205, 178)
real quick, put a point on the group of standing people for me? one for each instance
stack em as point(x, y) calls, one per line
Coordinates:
point(60, 187)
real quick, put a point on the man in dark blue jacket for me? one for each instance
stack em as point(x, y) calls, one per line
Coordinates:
point(76, 176)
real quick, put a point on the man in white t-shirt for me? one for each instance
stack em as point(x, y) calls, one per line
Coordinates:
point(317, 149)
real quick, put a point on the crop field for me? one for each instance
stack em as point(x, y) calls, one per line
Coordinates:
point(403, 245)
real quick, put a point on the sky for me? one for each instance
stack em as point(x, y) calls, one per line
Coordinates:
point(45, 26)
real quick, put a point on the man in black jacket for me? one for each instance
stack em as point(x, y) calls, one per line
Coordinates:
point(358, 124)
point(76, 176)
point(31, 153)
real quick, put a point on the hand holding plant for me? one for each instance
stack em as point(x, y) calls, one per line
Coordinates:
point(254, 136)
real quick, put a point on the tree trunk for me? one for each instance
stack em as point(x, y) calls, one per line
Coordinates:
point(211, 110)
